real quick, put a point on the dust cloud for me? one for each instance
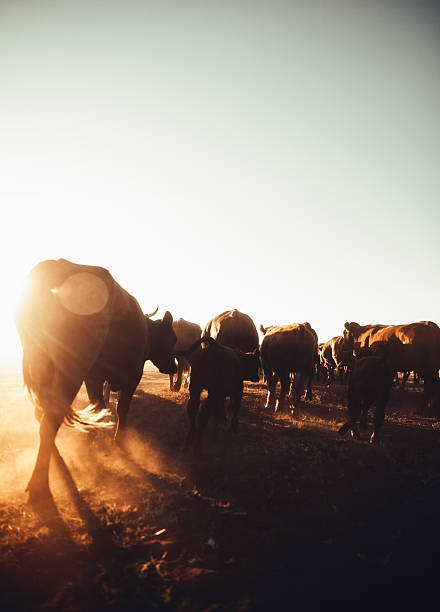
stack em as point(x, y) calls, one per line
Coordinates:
point(18, 434)
point(100, 469)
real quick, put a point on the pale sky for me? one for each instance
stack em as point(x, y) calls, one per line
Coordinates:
point(282, 158)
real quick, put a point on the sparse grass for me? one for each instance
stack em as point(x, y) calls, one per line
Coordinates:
point(283, 508)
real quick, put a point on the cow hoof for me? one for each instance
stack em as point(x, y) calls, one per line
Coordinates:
point(280, 406)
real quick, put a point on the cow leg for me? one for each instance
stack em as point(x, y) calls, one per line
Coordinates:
point(106, 392)
point(429, 378)
point(297, 391)
point(363, 424)
point(38, 486)
point(235, 408)
point(285, 389)
point(351, 426)
point(186, 375)
point(95, 391)
point(330, 376)
point(125, 396)
point(192, 408)
point(56, 406)
point(171, 382)
point(217, 409)
point(309, 392)
point(379, 417)
point(271, 382)
point(405, 379)
point(206, 409)
point(178, 382)
point(354, 410)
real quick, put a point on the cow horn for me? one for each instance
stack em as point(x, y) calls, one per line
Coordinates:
point(152, 313)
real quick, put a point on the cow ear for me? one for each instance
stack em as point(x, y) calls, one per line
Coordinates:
point(167, 318)
point(263, 331)
point(347, 326)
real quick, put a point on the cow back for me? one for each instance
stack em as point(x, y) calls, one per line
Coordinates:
point(234, 329)
point(71, 315)
point(187, 334)
point(288, 347)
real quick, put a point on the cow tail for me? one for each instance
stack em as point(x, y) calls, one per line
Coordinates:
point(89, 417)
point(37, 371)
point(37, 377)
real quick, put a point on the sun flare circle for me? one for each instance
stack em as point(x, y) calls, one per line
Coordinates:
point(83, 293)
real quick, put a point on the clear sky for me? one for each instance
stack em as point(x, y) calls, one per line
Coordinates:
point(282, 158)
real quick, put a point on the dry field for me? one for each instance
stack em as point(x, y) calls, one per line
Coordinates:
point(281, 515)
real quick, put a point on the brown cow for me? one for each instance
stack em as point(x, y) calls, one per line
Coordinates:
point(337, 355)
point(77, 324)
point(286, 350)
point(234, 329)
point(187, 333)
point(220, 370)
point(328, 364)
point(415, 346)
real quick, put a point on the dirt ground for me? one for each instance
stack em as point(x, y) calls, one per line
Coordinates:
point(281, 515)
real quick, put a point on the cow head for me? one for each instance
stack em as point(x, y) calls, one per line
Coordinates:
point(347, 348)
point(162, 341)
point(352, 329)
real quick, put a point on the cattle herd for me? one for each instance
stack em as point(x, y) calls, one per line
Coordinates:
point(78, 325)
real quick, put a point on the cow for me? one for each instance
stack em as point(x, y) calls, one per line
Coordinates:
point(360, 334)
point(187, 333)
point(337, 355)
point(414, 346)
point(369, 384)
point(286, 350)
point(77, 324)
point(234, 329)
point(327, 362)
point(220, 370)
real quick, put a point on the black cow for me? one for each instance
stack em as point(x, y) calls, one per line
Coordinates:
point(77, 324)
point(285, 351)
point(220, 370)
point(369, 384)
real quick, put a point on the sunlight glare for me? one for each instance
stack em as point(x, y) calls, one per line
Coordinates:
point(83, 293)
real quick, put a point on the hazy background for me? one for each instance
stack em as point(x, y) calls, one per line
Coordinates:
point(277, 157)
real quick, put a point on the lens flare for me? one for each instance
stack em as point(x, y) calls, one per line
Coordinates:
point(83, 293)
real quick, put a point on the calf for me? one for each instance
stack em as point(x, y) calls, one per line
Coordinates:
point(370, 383)
point(220, 370)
